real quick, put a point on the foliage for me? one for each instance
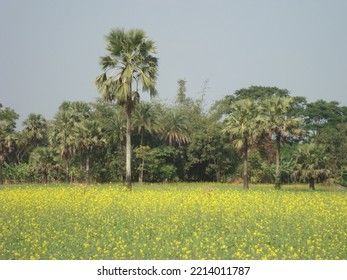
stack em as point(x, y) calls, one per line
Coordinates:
point(242, 125)
point(17, 173)
point(43, 162)
point(275, 120)
point(8, 119)
point(321, 114)
point(185, 141)
point(176, 128)
point(157, 163)
point(312, 163)
point(181, 92)
point(210, 156)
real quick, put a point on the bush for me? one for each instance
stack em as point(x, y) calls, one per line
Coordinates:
point(17, 173)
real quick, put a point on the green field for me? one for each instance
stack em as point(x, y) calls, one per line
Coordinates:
point(172, 221)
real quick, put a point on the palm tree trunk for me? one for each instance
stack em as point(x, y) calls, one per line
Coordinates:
point(141, 170)
point(81, 167)
point(128, 147)
point(245, 167)
point(218, 172)
point(278, 162)
point(142, 136)
point(1, 173)
point(68, 172)
point(45, 176)
point(87, 168)
point(312, 184)
point(143, 158)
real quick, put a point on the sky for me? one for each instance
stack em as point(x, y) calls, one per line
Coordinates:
point(49, 50)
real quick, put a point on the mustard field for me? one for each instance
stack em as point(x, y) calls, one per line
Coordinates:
point(172, 221)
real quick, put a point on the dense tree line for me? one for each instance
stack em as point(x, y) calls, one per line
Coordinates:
point(238, 137)
point(258, 134)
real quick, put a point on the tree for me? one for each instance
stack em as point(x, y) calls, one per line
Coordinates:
point(275, 121)
point(176, 127)
point(322, 114)
point(181, 92)
point(242, 127)
point(334, 139)
point(131, 61)
point(33, 134)
point(35, 127)
point(311, 163)
point(62, 138)
point(8, 119)
point(43, 161)
point(88, 137)
point(145, 119)
point(210, 157)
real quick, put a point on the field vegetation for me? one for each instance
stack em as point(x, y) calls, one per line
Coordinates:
point(172, 221)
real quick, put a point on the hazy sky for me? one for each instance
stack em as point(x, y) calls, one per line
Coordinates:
point(49, 50)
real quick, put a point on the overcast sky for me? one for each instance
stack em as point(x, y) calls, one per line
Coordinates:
point(49, 50)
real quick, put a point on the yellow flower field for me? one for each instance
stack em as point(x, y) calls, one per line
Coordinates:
point(183, 221)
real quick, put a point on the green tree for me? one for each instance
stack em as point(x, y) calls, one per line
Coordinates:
point(35, 127)
point(258, 94)
point(181, 92)
point(242, 127)
point(8, 119)
point(132, 63)
point(176, 129)
point(61, 137)
point(276, 121)
point(43, 161)
point(334, 139)
point(210, 157)
point(311, 163)
point(88, 137)
point(146, 119)
point(322, 114)
point(33, 134)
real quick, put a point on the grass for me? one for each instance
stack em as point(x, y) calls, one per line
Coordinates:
point(172, 221)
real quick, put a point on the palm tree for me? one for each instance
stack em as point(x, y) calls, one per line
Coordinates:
point(36, 129)
point(131, 61)
point(275, 121)
point(176, 127)
point(311, 163)
point(88, 137)
point(145, 119)
point(8, 119)
point(242, 126)
point(62, 138)
point(42, 160)
point(33, 135)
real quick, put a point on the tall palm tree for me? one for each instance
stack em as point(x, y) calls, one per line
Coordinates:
point(62, 138)
point(242, 126)
point(145, 119)
point(131, 63)
point(277, 122)
point(8, 119)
